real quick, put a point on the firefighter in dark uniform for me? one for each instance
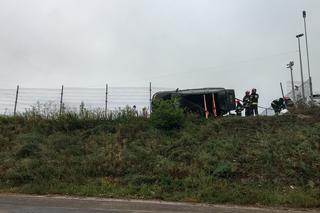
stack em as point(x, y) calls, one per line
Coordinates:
point(239, 108)
point(278, 105)
point(254, 97)
point(247, 103)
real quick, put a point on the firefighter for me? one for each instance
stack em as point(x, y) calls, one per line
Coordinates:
point(278, 105)
point(289, 103)
point(247, 103)
point(254, 97)
point(239, 108)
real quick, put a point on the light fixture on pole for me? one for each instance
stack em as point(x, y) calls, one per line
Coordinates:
point(302, 82)
point(290, 65)
point(304, 15)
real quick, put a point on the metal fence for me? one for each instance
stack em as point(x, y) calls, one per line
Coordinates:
point(267, 111)
point(108, 99)
point(298, 91)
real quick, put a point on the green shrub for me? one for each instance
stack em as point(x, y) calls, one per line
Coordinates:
point(167, 115)
point(28, 150)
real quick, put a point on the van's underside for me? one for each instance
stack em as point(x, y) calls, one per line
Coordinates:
point(207, 101)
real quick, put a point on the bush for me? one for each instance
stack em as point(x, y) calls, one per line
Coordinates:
point(167, 115)
point(28, 150)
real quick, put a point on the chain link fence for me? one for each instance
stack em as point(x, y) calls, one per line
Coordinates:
point(298, 91)
point(103, 99)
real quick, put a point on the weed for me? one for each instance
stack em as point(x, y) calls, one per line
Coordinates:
point(262, 160)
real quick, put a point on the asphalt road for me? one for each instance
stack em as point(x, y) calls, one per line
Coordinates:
point(52, 204)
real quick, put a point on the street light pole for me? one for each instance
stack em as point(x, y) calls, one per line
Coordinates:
point(302, 82)
point(290, 65)
point(304, 14)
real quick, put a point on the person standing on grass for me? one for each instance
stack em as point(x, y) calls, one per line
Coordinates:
point(247, 103)
point(239, 108)
point(254, 98)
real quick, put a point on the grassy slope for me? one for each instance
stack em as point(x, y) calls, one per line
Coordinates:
point(265, 160)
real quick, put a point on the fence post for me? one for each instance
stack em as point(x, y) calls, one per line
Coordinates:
point(150, 96)
point(106, 106)
point(61, 101)
point(16, 102)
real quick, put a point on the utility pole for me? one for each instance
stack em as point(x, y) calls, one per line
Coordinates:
point(304, 15)
point(16, 102)
point(281, 90)
point(61, 101)
point(282, 93)
point(150, 97)
point(302, 81)
point(106, 106)
point(290, 65)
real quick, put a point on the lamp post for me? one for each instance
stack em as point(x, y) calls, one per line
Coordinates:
point(290, 65)
point(304, 15)
point(302, 82)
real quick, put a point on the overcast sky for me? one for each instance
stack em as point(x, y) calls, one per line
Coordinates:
point(237, 44)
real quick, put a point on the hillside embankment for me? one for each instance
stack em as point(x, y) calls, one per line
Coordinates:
point(273, 161)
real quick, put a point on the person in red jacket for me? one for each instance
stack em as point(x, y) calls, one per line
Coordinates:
point(239, 107)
